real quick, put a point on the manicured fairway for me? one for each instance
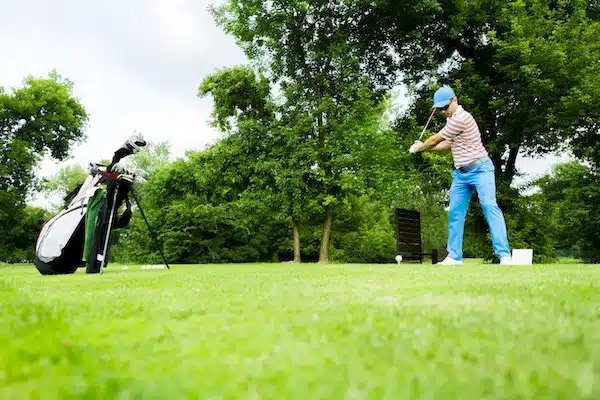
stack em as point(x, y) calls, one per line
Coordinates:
point(282, 331)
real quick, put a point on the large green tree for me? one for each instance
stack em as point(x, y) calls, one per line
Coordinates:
point(303, 48)
point(41, 117)
point(284, 152)
point(237, 200)
point(270, 160)
point(526, 69)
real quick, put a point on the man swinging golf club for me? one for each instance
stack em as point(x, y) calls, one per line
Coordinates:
point(473, 170)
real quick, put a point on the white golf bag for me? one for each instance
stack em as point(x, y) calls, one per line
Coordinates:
point(78, 236)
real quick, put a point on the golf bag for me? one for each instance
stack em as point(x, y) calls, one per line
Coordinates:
point(78, 236)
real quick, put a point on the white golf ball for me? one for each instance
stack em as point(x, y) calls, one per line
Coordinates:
point(398, 258)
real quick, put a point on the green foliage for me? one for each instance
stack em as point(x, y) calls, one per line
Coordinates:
point(529, 221)
point(547, 58)
point(264, 153)
point(18, 244)
point(237, 92)
point(196, 233)
point(528, 72)
point(42, 117)
point(572, 194)
point(203, 214)
point(65, 181)
point(239, 199)
point(558, 218)
point(303, 47)
point(531, 225)
point(363, 232)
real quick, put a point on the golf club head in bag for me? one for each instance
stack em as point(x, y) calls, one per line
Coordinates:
point(131, 146)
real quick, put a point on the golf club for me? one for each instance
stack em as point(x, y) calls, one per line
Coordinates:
point(131, 146)
point(427, 124)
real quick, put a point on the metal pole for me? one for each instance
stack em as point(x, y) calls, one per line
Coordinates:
point(110, 220)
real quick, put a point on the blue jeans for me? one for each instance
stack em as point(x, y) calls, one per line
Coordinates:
point(482, 179)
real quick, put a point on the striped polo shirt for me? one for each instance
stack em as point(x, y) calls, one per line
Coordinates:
point(462, 132)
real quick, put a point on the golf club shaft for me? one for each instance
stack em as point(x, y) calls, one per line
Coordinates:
point(427, 124)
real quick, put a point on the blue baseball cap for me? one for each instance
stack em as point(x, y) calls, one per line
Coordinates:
point(442, 96)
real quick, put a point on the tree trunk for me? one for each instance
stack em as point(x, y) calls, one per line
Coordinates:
point(324, 254)
point(296, 243)
point(511, 169)
point(497, 160)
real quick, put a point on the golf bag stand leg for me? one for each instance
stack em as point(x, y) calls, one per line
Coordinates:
point(152, 234)
point(110, 221)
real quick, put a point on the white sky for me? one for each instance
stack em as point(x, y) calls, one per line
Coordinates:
point(136, 65)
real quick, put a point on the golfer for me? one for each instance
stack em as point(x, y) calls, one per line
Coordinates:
point(473, 170)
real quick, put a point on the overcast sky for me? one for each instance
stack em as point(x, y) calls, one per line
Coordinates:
point(136, 65)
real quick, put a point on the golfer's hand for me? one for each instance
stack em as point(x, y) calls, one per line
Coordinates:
point(413, 148)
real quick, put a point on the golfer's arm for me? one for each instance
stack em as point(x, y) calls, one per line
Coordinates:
point(430, 143)
point(443, 146)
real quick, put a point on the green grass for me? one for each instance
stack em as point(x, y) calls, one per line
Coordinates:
point(284, 331)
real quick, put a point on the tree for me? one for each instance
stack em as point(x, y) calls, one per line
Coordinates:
point(572, 193)
point(228, 203)
point(272, 160)
point(43, 116)
point(39, 118)
point(64, 182)
point(203, 214)
point(18, 242)
point(303, 49)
